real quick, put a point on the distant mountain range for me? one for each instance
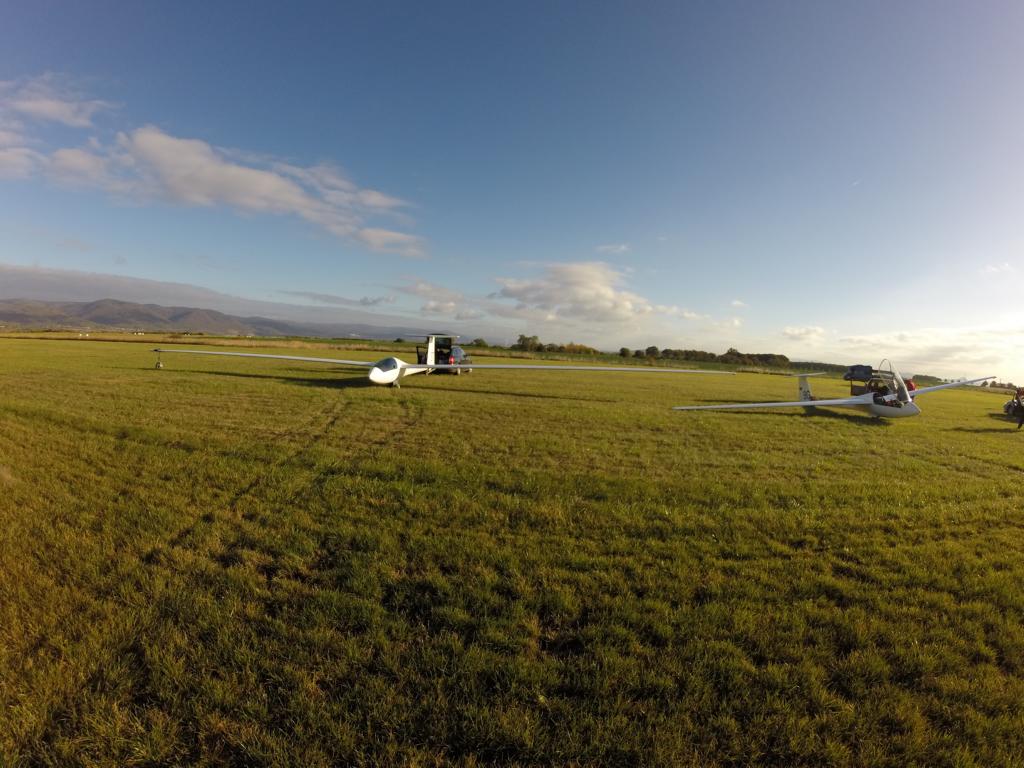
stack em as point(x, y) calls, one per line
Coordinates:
point(114, 315)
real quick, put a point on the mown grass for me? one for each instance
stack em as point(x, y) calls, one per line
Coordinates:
point(245, 562)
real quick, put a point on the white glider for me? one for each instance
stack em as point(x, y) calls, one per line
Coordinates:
point(883, 394)
point(391, 370)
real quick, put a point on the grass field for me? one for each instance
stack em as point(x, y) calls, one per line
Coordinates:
point(246, 562)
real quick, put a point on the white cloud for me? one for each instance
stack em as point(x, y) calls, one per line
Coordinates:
point(570, 294)
point(998, 269)
point(442, 300)
point(329, 182)
point(674, 311)
point(953, 352)
point(427, 290)
point(371, 198)
point(51, 98)
point(9, 137)
point(613, 248)
point(392, 242)
point(805, 333)
point(439, 308)
point(738, 304)
point(373, 301)
point(587, 290)
point(190, 171)
point(578, 293)
point(19, 162)
point(76, 115)
point(77, 166)
point(148, 163)
point(330, 298)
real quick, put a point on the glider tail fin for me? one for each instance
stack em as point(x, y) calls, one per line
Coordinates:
point(805, 386)
point(805, 389)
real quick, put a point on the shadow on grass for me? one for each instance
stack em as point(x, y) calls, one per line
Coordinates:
point(1010, 427)
point(824, 413)
point(507, 393)
point(349, 382)
point(801, 412)
point(361, 382)
point(1003, 417)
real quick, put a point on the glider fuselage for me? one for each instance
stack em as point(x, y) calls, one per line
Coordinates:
point(882, 393)
point(889, 410)
point(390, 370)
point(892, 412)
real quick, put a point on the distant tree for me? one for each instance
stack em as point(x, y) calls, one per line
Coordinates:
point(733, 355)
point(638, 353)
point(399, 340)
point(534, 344)
point(528, 343)
point(479, 343)
point(624, 352)
point(652, 351)
point(578, 349)
point(984, 383)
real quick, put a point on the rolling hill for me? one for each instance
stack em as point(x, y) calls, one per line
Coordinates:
point(111, 314)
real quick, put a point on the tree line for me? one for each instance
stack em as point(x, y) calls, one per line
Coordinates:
point(731, 356)
point(534, 344)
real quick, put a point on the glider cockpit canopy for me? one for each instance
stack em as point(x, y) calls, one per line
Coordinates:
point(881, 381)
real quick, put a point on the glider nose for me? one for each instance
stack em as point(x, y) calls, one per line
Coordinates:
point(386, 371)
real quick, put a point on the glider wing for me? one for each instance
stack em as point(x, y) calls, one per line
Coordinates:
point(612, 368)
point(838, 403)
point(328, 360)
point(924, 390)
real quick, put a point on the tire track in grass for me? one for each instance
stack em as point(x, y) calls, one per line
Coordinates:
point(315, 487)
point(108, 648)
point(225, 536)
point(326, 418)
point(368, 445)
point(241, 525)
point(333, 414)
point(410, 417)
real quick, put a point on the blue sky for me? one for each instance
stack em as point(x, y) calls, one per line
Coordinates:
point(834, 181)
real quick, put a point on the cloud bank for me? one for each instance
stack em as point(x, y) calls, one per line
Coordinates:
point(805, 333)
point(585, 300)
point(150, 164)
point(49, 98)
point(341, 301)
point(585, 290)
